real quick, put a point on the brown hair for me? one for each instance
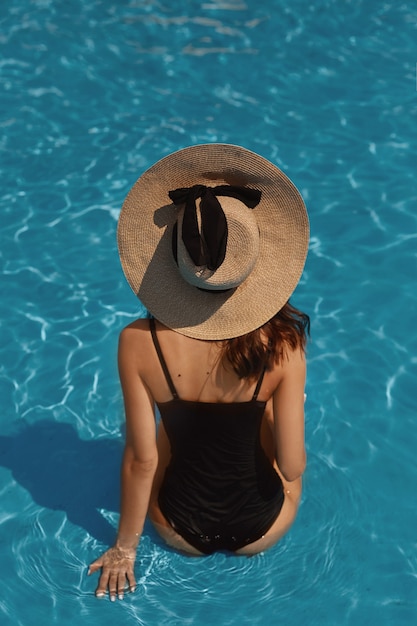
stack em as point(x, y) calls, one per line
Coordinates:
point(248, 354)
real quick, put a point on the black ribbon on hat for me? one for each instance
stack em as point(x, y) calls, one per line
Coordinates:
point(209, 247)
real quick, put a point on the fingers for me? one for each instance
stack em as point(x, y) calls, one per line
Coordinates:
point(103, 583)
point(131, 580)
point(115, 569)
point(113, 587)
point(121, 579)
point(115, 583)
point(95, 566)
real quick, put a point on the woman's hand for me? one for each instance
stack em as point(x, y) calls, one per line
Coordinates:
point(117, 566)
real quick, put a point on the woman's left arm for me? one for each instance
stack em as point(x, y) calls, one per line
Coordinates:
point(288, 406)
point(139, 465)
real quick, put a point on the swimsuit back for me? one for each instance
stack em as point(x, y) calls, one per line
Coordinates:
point(168, 377)
point(220, 491)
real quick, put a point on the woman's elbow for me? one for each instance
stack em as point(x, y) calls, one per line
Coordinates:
point(291, 471)
point(146, 466)
point(134, 465)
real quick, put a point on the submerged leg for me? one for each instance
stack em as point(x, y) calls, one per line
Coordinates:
point(284, 521)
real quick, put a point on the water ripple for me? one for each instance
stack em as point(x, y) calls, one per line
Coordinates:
point(93, 94)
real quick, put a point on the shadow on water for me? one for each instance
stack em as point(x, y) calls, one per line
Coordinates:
point(66, 473)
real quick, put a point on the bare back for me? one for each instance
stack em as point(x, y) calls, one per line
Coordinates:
point(195, 366)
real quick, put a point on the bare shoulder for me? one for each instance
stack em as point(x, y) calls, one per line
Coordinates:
point(136, 329)
point(293, 378)
point(134, 338)
point(290, 368)
point(294, 359)
point(290, 373)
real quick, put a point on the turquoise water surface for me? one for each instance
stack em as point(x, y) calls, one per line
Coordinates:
point(95, 92)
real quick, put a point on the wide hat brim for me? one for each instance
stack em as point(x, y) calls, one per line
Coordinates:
point(145, 242)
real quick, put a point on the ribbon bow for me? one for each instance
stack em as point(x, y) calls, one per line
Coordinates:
point(209, 247)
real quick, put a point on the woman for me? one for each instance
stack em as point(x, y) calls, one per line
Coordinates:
point(222, 357)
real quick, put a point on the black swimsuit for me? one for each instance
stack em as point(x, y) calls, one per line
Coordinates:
point(220, 491)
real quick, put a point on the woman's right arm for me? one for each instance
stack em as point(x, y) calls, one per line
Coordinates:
point(288, 407)
point(139, 464)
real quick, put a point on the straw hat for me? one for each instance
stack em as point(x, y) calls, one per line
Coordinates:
point(213, 240)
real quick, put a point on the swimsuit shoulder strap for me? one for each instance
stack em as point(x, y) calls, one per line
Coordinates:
point(261, 377)
point(259, 383)
point(161, 359)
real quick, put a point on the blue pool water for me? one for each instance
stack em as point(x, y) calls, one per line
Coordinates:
point(92, 94)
